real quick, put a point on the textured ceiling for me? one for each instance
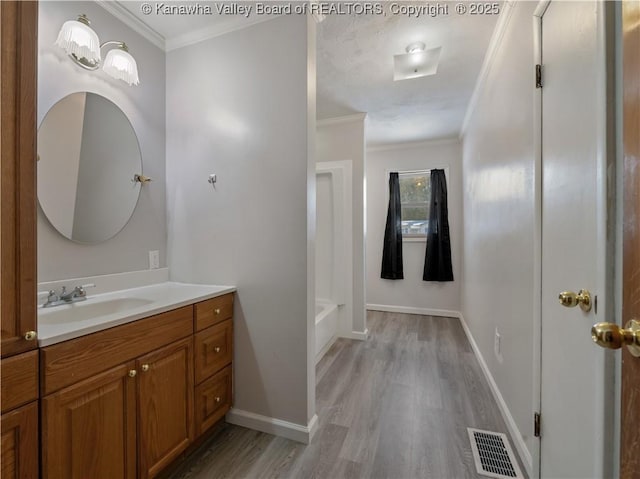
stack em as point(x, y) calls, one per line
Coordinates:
point(355, 73)
point(355, 64)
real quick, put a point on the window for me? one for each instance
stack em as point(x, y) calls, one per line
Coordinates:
point(415, 198)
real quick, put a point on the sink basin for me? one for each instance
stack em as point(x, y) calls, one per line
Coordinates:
point(84, 310)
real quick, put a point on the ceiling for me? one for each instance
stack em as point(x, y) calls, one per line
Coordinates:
point(355, 64)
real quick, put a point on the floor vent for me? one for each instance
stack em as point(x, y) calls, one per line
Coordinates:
point(493, 454)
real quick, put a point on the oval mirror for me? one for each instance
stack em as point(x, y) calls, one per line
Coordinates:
point(88, 155)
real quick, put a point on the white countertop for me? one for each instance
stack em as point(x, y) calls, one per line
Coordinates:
point(61, 323)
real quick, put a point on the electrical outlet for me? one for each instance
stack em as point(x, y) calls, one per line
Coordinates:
point(497, 346)
point(154, 259)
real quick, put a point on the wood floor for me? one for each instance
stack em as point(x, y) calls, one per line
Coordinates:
point(395, 406)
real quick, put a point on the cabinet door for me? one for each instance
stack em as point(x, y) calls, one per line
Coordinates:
point(213, 399)
point(20, 443)
point(165, 405)
point(214, 349)
point(18, 64)
point(89, 429)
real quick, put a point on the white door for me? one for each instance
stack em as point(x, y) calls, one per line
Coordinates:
point(574, 439)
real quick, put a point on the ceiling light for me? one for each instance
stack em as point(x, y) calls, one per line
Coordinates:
point(416, 63)
point(416, 47)
point(81, 43)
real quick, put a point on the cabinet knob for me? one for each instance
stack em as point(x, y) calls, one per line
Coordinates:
point(132, 373)
point(217, 349)
point(217, 399)
point(30, 335)
point(217, 310)
point(145, 368)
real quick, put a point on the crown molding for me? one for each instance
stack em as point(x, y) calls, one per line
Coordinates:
point(494, 43)
point(133, 22)
point(413, 144)
point(197, 36)
point(339, 120)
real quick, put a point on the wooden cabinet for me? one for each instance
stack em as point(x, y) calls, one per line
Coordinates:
point(19, 384)
point(131, 420)
point(165, 398)
point(89, 429)
point(127, 401)
point(213, 360)
point(20, 443)
point(18, 93)
point(18, 65)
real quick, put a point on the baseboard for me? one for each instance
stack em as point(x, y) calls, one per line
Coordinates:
point(514, 432)
point(410, 310)
point(270, 425)
point(359, 335)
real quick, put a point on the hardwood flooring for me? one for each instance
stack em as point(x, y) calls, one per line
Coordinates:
point(395, 406)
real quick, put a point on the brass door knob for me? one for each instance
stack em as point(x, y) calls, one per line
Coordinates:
point(569, 299)
point(132, 373)
point(217, 349)
point(217, 399)
point(30, 335)
point(144, 367)
point(217, 310)
point(611, 336)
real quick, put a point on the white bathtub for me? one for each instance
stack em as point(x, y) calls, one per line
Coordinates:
point(326, 326)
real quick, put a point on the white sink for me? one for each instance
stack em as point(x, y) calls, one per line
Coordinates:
point(84, 310)
point(106, 310)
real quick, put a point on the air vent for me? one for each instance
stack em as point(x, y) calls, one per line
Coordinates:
point(493, 455)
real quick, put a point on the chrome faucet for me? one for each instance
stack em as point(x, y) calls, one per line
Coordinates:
point(78, 293)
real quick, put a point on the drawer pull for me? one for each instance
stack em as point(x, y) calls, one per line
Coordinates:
point(217, 399)
point(145, 368)
point(30, 335)
point(132, 373)
point(217, 310)
point(217, 349)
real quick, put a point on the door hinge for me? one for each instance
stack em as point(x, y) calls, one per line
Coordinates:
point(538, 76)
point(536, 424)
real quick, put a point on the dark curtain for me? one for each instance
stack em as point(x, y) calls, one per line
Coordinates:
point(437, 264)
point(392, 251)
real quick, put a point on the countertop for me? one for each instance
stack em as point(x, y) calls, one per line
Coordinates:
point(69, 321)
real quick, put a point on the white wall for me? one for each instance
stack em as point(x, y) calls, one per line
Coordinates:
point(144, 105)
point(325, 231)
point(412, 292)
point(343, 139)
point(242, 106)
point(498, 202)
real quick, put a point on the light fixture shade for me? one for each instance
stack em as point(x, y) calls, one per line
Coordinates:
point(121, 65)
point(79, 39)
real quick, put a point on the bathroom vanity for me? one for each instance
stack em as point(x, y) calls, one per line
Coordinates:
point(128, 400)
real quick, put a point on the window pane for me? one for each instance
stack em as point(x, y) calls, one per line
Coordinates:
point(414, 227)
point(415, 189)
point(414, 213)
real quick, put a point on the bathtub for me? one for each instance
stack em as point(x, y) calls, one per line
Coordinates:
point(326, 326)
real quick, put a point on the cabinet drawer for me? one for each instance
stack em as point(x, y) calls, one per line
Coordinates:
point(213, 311)
point(71, 361)
point(214, 349)
point(19, 380)
point(213, 399)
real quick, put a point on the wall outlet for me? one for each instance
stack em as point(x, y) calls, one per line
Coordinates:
point(154, 259)
point(497, 346)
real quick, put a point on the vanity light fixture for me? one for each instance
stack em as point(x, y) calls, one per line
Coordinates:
point(81, 43)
